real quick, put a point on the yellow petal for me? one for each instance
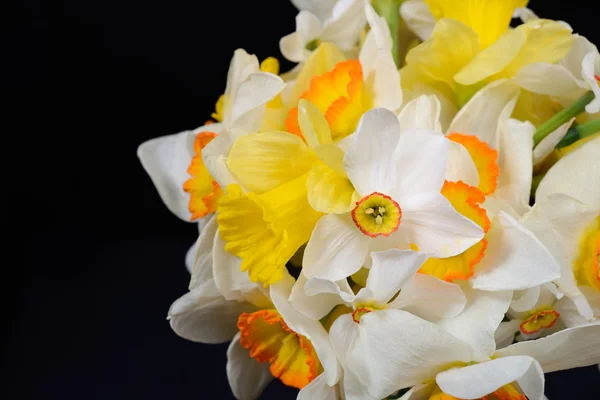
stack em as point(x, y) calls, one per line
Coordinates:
point(266, 160)
point(332, 156)
point(313, 124)
point(266, 230)
point(451, 46)
point(329, 191)
point(488, 18)
point(536, 41)
point(323, 59)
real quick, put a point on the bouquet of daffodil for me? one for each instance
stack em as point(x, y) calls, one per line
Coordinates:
point(412, 211)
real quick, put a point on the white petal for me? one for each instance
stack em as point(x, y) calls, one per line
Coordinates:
point(391, 270)
point(573, 60)
point(421, 113)
point(460, 165)
point(419, 19)
point(316, 306)
point(432, 223)
point(590, 67)
point(577, 174)
point(479, 320)
point(420, 160)
point(308, 26)
point(378, 38)
point(569, 312)
point(341, 289)
point(515, 259)
point(429, 297)
point(189, 257)
point(293, 48)
point(525, 300)
point(247, 377)
point(203, 315)
point(419, 392)
point(480, 116)
point(348, 20)
point(318, 389)
point(234, 284)
point(321, 8)
point(479, 380)
point(166, 160)
point(593, 297)
point(336, 249)
point(569, 348)
point(383, 81)
point(311, 329)
point(214, 156)
point(202, 264)
point(535, 77)
point(515, 162)
point(368, 161)
point(558, 221)
point(254, 92)
point(547, 145)
point(505, 334)
point(241, 66)
point(392, 349)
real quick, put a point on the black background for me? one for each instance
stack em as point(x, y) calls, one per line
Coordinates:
point(99, 259)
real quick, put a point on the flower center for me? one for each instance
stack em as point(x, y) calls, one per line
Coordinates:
point(543, 319)
point(377, 214)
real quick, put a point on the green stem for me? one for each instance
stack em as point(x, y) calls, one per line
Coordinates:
point(579, 132)
point(561, 117)
point(589, 128)
point(535, 182)
point(390, 10)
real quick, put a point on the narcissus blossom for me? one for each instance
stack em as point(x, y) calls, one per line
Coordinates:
point(410, 215)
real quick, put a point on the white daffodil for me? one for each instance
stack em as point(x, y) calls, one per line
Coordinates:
point(387, 350)
point(268, 337)
point(488, 177)
point(574, 75)
point(566, 218)
point(393, 284)
point(398, 177)
point(342, 27)
point(166, 159)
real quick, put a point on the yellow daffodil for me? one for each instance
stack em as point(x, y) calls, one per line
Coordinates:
point(472, 45)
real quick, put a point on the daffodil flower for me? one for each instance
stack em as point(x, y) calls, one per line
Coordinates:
point(268, 337)
point(487, 176)
point(398, 177)
point(342, 27)
point(344, 89)
point(566, 218)
point(572, 76)
point(174, 162)
point(390, 349)
point(488, 49)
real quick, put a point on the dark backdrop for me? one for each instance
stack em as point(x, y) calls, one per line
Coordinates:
point(99, 259)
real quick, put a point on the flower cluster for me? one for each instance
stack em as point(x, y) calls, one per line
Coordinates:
point(412, 210)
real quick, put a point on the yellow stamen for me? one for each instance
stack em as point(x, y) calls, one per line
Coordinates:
point(271, 65)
